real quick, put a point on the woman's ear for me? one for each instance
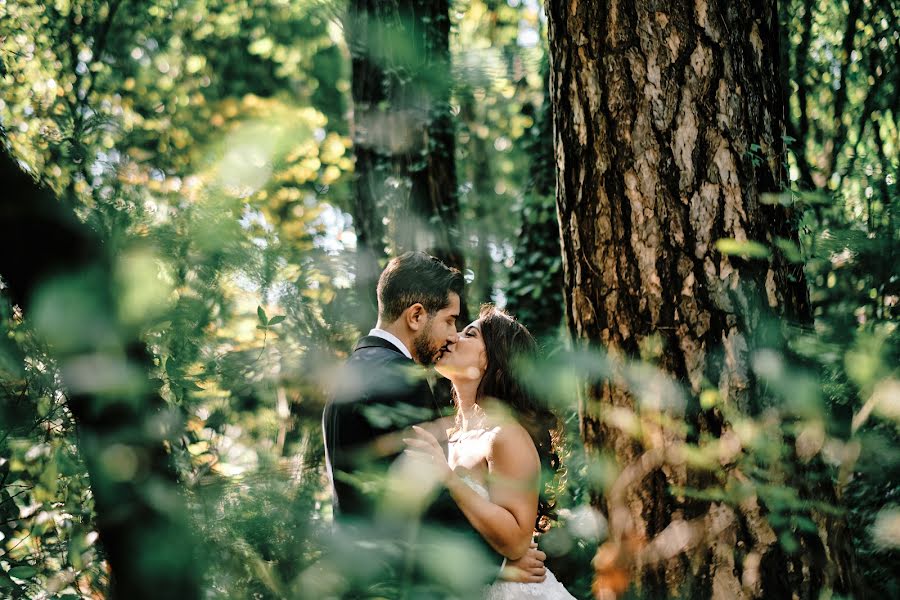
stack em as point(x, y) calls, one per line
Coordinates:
point(416, 316)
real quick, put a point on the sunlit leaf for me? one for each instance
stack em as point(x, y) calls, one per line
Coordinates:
point(263, 319)
point(744, 249)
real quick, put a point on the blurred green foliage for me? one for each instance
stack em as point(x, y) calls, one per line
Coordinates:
point(842, 62)
point(207, 143)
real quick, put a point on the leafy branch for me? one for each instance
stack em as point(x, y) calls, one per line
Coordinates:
point(265, 323)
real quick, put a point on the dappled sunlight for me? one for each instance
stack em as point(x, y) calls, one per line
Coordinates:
point(234, 175)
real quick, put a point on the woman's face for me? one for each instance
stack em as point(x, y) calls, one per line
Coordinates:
point(466, 360)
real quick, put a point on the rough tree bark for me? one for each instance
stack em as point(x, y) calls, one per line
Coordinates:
point(141, 518)
point(403, 135)
point(668, 132)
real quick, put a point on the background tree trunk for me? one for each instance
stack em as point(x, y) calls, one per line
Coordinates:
point(140, 513)
point(403, 135)
point(480, 290)
point(668, 136)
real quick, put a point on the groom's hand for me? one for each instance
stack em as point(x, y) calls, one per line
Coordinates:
point(528, 569)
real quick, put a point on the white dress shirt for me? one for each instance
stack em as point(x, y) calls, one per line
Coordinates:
point(387, 335)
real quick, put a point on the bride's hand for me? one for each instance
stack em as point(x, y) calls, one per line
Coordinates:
point(528, 569)
point(425, 447)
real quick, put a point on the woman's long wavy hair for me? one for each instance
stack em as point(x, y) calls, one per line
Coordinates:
point(508, 345)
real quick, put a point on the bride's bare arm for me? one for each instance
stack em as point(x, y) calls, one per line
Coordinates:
point(506, 521)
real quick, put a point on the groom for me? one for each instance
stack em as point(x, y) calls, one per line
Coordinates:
point(382, 391)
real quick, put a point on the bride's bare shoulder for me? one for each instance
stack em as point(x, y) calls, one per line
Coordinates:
point(510, 436)
point(512, 452)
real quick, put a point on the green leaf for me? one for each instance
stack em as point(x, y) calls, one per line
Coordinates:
point(6, 582)
point(48, 481)
point(805, 524)
point(276, 320)
point(77, 545)
point(747, 249)
point(813, 198)
point(709, 398)
point(8, 508)
point(788, 542)
point(789, 249)
point(782, 198)
point(262, 315)
point(23, 572)
point(778, 520)
point(172, 369)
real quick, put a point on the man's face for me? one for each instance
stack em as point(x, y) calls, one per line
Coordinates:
point(438, 333)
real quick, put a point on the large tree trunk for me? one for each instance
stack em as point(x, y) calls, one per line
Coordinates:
point(668, 134)
point(403, 135)
point(140, 513)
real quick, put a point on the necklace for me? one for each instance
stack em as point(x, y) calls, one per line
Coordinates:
point(473, 419)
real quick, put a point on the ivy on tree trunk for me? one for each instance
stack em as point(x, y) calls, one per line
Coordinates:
point(535, 288)
point(403, 136)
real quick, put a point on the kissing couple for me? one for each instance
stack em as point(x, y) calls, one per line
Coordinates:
point(428, 506)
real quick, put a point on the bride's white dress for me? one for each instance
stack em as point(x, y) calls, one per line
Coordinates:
point(549, 589)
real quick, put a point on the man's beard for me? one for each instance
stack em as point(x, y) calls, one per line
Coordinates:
point(424, 353)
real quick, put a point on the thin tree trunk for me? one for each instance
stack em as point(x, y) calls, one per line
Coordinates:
point(403, 135)
point(802, 131)
point(840, 101)
point(668, 134)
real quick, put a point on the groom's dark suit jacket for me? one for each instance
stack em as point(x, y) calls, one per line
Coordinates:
point(379, 394)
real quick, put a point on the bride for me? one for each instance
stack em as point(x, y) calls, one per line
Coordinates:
point(499, 447)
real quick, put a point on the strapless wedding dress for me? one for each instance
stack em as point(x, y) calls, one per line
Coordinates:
point(549, 589)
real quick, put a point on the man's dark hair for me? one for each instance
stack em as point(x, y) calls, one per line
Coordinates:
point(416, 277)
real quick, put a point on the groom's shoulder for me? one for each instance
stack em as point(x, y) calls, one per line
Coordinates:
point(376, 369)
point(375, 359)
point(372, 349)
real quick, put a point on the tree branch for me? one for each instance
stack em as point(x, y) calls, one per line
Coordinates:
point(798, 147)
point(100, 43)
point(840, 101)
point(869, 105)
